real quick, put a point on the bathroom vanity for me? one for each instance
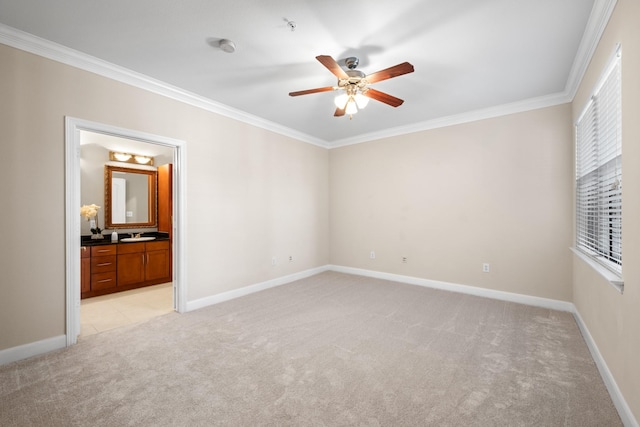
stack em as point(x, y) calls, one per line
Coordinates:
point(134, 200)
point(108, 267)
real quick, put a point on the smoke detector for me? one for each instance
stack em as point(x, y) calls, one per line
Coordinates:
point(227, 46)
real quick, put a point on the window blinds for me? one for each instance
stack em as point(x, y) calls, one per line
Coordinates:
point(599, 173)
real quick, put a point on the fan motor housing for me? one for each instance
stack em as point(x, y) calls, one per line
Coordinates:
point(352, 62)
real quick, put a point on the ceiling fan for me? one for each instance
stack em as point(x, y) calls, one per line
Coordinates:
point(355, 85)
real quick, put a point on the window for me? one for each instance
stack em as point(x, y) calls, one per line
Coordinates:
point(599, 173)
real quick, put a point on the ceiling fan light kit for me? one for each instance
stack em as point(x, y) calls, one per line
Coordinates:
point(355, 85)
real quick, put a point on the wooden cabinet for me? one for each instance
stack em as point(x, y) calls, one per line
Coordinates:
point(157, 264)
point(85, 269)
point(123, 266)
point(131, 264)
point(103, 267)
point(165, 203)
point(165, 199)
point(146, 263)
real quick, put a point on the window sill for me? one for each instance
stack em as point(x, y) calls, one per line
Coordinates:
point(614, 279)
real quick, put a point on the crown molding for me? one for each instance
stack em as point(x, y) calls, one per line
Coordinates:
point(457, 119)
point(56, 52)
point(597, 23)
point(598, 19)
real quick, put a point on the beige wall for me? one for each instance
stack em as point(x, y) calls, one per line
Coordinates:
point(496, 191)
point(614, 319)
point(251, 194)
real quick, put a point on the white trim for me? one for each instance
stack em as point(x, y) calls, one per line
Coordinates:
point(179, 233)
point(72, 232)
point(31, 349)
point(257, 287)
point(614, 391)
point(72, 221)
point(598, 20)
point(56, 52)
point(44, 346)
point(612, 387)
point(600, 15)
point(614, 279)
point(551, 304)
point(467, 117)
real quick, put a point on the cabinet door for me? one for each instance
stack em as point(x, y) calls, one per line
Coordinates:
point(85, 275)
point(157, 265)
point(130, 268)
point(165, 198)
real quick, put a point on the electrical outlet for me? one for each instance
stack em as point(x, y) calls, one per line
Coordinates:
point(290, 258)
point(273, 262)
point(372, 255)
point(404, 259)
point(485, 268)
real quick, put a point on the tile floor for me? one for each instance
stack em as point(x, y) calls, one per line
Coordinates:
point(111, 311)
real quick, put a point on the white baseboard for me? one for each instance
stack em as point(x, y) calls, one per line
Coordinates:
point(44, 346)
point(618, 399)
point(464, 289)
point(616, 396)
point(24, 351)
point(257, 287)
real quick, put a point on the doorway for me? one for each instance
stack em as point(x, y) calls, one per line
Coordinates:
point(74, 128)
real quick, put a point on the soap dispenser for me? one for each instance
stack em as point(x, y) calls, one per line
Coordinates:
point(114, 236)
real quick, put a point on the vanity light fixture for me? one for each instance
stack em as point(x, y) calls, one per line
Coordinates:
point(143, 160)
point(130, 158)
point(122, 157)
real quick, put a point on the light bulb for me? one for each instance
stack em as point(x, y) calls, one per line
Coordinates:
point(341, 100)
point(361, 100)
point(143, 159)
point(122, 157)
point(351, 107)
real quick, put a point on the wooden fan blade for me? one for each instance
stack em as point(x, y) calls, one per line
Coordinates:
point(308, 91)
point(339, 112)
point(383, 97)
point(332, 66)
point(387, 73)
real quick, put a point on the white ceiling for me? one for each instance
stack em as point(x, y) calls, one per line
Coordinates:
point(470, 56)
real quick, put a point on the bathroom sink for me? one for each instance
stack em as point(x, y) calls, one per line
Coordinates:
point(137, 239)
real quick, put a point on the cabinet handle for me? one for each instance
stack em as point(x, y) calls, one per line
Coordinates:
point(104, 280)
point(103, 264)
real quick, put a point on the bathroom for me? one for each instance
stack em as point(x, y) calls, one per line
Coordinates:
point(126, 243)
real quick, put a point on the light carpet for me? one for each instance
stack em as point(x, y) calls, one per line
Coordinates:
point(330, 350)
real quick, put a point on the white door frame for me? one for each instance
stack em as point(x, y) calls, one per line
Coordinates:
point(73, 126)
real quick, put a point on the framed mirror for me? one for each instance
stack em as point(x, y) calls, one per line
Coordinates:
point(130, 199)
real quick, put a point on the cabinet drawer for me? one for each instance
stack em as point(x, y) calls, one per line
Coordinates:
point(102, 264)
point(103, 250)
point(130, 248)
point(103, 281)
point(156, 246)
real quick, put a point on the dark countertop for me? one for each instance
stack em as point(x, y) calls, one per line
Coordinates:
point(88, 241)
